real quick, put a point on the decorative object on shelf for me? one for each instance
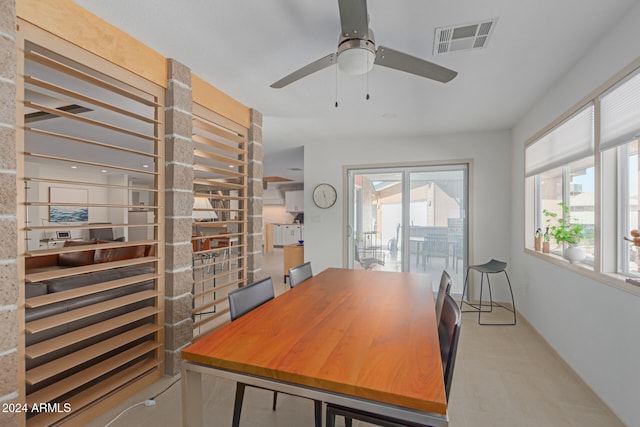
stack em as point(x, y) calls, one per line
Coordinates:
point(566, 231)
point(538, 240)
point(635, 238)
point(545, 244)
point(300, 242)
point(324, 196)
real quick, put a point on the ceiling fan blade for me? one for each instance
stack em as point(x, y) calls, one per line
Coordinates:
point(306, 70)
point(354, 18)
point(410, 64)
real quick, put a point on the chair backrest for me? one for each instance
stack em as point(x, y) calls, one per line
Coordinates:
point(245, 299)
point(445, 288)
point(299, 274)
point(449, 333)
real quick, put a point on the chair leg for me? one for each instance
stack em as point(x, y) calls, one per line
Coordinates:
point(275, 399)
point(237, 405)
point(330, 417)
point(497, 304)
point(317, 405)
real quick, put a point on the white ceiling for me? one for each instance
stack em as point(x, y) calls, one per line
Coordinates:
point(243, 46)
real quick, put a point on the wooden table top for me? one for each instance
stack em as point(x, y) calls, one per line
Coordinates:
point(363, 333)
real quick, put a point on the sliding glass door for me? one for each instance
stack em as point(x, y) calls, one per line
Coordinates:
point(411, 219)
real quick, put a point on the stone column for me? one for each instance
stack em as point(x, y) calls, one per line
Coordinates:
point(9, 284)
point(254, 199)
point(178, 207)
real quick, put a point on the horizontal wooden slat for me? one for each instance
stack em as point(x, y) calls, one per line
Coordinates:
point(220, 287)
point(218, 196)
point(90, 184)
point(87, 290)
point(72, 271)
point(93, 122)
point(89, 247)
point(82, 97)
point(218, 145)
point(218, 171)
point(97, 392)
point(205, 308)
point(216, 129)
point(91, 205)
point(42, 59)
point(74, 381)
point(217, 224)
point(219, 158)
point(37, 350)
point(214, 184)
point(208, 319)
point(82, 162)
point(91, 142)
point(64, 363)
point(89, 226)
point(90, 310)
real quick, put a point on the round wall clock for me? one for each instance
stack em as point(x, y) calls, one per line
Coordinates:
point(324, 196)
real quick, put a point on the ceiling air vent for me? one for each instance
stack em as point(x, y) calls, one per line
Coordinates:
point(463, 37)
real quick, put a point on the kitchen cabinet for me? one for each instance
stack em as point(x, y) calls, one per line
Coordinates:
point(294, 201)
point(287, 234)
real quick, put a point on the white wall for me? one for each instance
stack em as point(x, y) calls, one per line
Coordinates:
point(39, 215)
point(490, 192)
point(594, 327)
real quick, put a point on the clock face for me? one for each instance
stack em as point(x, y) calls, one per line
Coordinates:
point(324, 196)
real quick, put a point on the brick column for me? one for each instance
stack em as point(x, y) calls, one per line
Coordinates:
point(254, 199)
point(178, 207)
point(9, 284)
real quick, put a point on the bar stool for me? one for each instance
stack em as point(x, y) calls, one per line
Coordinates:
point(490, 267)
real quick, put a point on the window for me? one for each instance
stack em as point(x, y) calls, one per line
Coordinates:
point(628, 206)
point(562, 165)
point(620, 129)
point(596, 175)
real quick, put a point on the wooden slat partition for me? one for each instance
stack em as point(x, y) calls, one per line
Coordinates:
point(64, 363)
point(84, 312)
point(94, 327)
point(220, 175)
point(87, 290)
point(95, 393)
point(66, 272)
point(72, 382)
point(37, 350)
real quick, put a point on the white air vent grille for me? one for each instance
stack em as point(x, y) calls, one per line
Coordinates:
point(463, 37)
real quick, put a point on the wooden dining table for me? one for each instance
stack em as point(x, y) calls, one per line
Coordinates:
point(362, 339)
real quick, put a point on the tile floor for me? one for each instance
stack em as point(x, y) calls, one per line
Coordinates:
point(504, 376)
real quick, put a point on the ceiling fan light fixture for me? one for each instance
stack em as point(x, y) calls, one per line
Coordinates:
point(356, 61)
point(356, 56)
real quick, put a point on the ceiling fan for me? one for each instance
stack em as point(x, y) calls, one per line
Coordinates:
point(357, 51)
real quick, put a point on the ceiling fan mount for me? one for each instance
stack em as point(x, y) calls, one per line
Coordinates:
point(357, 52)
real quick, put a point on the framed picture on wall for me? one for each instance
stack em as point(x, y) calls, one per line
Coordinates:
point(68, 204)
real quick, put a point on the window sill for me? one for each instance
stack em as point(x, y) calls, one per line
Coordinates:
point(610, 279)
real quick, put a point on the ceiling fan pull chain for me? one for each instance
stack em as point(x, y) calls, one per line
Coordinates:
point(336, 84)
point(368, 72)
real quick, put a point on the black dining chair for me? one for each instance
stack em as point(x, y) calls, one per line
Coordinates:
point(299, 274)
point(444, 289)
point(448, 334)
point(242, 301)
